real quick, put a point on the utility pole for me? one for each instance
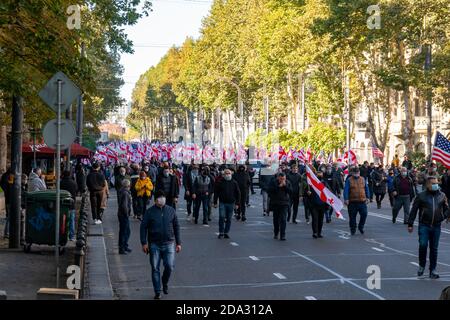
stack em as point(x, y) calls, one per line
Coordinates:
point(429, 96)
point(80, 108)
point(68, 154)
point(16, 171)
point(347, 106)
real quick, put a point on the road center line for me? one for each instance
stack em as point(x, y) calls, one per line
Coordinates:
point(279, 276)
point(234, 244)
point(342, 278)
point(310, 298)
point(415, 264)
point(254, 258)
point(377, 249)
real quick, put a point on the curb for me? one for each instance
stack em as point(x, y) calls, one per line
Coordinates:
point(97, 270)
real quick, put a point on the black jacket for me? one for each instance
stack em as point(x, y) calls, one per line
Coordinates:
point(380, 178)
point(227, 192)
point(125, 202)
point(333, 182)
point(243, 180)
point(95, 181)
point(133, 179)
point(188, 184)
point(160, 226)
point(279, 196)
point(67, 183)
point(202, 180)
point(432, 207)
point(174, 187)
point(80, 176)
point(295, 179)
point(412, 192)
point(445, 185)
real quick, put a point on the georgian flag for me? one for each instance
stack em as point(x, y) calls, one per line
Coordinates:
point(324, 193)
point(309, 156)
point(350, 156)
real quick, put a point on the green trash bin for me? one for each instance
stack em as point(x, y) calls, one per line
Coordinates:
point(41, 218)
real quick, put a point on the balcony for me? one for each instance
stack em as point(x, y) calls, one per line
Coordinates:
point(420, 124)
point(397, 127)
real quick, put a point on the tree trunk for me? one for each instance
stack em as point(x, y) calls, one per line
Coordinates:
point(3, 148)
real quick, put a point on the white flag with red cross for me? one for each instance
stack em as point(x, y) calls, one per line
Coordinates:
point(324, 193)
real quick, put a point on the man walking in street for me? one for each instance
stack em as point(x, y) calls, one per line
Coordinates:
point(168, 183)
point(433, 208)
point(96, 182)
point(403, 193)
point(203, 188)
point(160, 237)
point(356, 196)
point(280, 192)
point(188, 182)
point(266, 174)
point(228, 193)
point(243, 180)
point(332, 179)
point(294, 178)
point(123, 213)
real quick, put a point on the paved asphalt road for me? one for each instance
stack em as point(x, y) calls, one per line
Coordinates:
point(252, 265)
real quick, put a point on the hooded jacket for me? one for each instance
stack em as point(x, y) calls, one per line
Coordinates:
point(35, 183)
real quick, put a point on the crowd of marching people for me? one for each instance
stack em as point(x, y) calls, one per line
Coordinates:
point(149, 191)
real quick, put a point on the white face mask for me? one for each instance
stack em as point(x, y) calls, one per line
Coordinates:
point(161, 201)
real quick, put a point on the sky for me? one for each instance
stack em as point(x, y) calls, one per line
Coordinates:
point(170, 23)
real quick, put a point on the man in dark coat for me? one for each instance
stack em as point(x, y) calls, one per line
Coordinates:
point(280, 191)
point(168, 184)
point(294, 178)
point(188, 183)
point(68, 184)
point(243, 179)
point(96, 182)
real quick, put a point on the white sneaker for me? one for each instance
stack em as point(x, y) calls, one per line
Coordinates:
point(99, 221)
point(95, 221)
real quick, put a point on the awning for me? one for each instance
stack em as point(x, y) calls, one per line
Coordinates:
point(42, 149)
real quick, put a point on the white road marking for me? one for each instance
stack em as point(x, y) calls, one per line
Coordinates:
point(279, 276)
point(378, 249)
point(415, 264)
point(378, 215)
point(310, 298)
point(254, 258)
point(234, 244)
point(217, 233)
point(342, 278)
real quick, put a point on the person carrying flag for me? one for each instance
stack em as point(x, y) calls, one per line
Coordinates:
point(356, 196)
point(318, 208)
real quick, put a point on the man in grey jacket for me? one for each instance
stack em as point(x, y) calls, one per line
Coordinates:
point(35, 182)
point(123, 213)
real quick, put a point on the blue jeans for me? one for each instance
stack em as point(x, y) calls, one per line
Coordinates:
point(166, 253)
point(429, 235)
point(72, 215)
point(202, 201)
point(225, 213)
point(353, 209)
point(124, 232)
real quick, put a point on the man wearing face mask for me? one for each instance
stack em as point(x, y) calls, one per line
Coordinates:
point(430, 172)
point(160, 236)
point(243, 180)
point(356, 196)
point(168, 184)
point(403, 193)
point(188, 183)
point(433, 208)
point(203, 188)
point(379, 181)
point(118, 180)
point(294, 178)
point(280, 192)
point(227, 191)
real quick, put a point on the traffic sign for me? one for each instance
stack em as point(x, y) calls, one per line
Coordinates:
point(69, 92)
point(68, 134)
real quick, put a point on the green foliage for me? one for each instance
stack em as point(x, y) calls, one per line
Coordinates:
point(417, 158)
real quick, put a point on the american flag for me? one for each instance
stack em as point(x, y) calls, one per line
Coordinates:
point(376, 152)
point(441, 150)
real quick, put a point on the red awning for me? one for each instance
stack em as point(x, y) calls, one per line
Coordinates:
point(75, 149)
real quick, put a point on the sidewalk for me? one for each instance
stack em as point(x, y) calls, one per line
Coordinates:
point(23, 274)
